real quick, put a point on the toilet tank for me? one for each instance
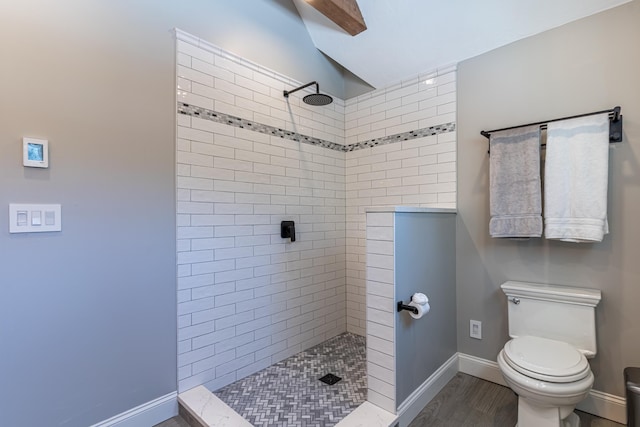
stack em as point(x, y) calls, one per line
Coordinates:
point(560, 313)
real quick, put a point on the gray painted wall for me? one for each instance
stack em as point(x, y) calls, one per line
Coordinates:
point(87, 316)
point(268, 32)
point(588, 65)
point(425, 262)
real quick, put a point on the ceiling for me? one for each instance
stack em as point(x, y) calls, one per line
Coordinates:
point(408, 37)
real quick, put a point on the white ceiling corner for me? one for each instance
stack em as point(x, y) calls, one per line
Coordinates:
point(408, 37)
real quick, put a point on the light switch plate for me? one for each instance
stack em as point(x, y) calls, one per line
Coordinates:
point(39, 218)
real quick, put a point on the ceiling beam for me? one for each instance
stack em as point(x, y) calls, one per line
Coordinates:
point(345, 13)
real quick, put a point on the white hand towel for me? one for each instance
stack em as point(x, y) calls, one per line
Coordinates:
point(576, 179)
point(515, 197)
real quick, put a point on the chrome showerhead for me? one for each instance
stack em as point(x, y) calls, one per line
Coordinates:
point(315, 99)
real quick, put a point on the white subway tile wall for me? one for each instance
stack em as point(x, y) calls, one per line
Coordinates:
point(380, 327)
point(414, 172)
point(246, 297)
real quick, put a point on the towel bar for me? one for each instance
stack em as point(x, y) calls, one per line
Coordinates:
point(615, 124)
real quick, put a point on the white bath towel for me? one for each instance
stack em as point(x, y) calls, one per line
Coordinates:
point(576, 179)
point(514, 183)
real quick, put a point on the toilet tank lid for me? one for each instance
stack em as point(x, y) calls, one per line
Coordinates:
point(541, 291)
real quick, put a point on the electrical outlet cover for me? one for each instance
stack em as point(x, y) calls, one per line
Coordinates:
point(475, 329)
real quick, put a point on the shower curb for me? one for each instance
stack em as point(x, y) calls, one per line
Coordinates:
point(205, 409)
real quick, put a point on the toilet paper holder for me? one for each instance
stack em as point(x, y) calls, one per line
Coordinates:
point(402, 306)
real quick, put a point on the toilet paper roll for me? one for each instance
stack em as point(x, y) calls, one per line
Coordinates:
point(419, 298)
point(422, 309)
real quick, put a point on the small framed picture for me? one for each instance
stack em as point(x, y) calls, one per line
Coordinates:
point(35, 153)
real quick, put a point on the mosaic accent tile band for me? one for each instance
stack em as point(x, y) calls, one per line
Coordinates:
point(203, 113)
point(289, 393)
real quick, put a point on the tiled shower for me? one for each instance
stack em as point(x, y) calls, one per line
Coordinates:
point(247, 159)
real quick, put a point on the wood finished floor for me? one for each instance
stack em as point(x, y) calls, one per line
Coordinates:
point(176, 421)
point(466, 401)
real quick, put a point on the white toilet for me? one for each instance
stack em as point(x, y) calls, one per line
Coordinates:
point(545, 363)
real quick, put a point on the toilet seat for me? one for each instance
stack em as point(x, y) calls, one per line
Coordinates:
point(546, 360)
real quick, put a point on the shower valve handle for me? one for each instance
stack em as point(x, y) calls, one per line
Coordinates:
point(288, 230)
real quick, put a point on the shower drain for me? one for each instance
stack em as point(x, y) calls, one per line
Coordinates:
point(330, 379)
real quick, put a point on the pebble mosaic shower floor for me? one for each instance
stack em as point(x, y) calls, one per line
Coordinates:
point(289, 393)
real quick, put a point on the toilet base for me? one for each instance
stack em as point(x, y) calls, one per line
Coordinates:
point(572, 420)
point(530, 415)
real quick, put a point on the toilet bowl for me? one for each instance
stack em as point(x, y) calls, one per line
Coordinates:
point(550, 401)
point(545, 363)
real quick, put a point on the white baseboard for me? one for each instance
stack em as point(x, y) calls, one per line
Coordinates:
point(147, 414)
point(603, 405)
point(480, 368)
point(417, 400)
